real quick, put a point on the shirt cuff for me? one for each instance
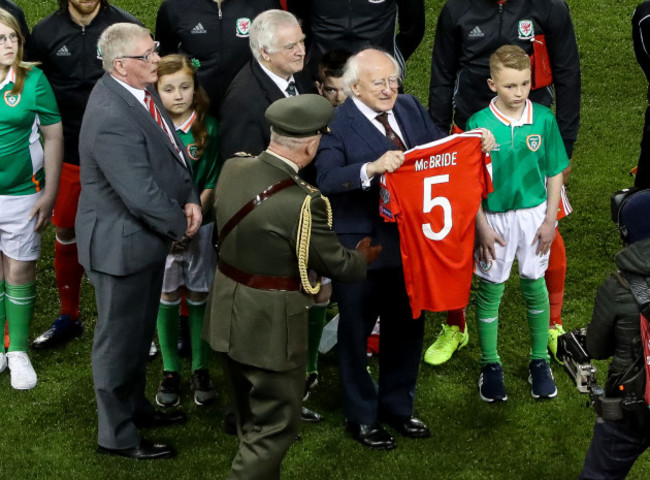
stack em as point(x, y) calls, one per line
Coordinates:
point(365, 181)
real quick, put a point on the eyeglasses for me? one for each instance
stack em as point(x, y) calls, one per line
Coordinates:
point(381, 83)
point(12, 37)
point(147, 57)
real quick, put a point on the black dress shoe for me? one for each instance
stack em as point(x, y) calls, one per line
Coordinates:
point(161, 419)
point(307, 415)
point(407, 426)
point(62, 330)
point(372, 436)
point(146, 451)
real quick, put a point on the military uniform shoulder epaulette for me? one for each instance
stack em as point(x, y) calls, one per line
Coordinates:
point(242, 155)
point(308, 188)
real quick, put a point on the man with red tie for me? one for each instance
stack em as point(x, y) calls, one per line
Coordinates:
point(137, 197)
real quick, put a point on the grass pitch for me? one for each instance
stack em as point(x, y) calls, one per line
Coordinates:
point(50, 432)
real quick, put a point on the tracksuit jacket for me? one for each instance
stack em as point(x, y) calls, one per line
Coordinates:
point(68, 55)
point(469, 31)
point(355, 24)
point(214, 34)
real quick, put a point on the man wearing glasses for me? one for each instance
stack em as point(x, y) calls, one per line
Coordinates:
point(369, 134)
point(65, 43)
point(137, 197)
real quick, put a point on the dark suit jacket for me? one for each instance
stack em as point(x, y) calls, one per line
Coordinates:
point(133, 189)
point(242, 122)
point(263, 328)
point(353, 141)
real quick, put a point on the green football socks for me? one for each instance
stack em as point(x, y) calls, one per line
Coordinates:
point(488, 299)
point(537, 304)
point(19, 308)
point(168, 315)
point(199, 347)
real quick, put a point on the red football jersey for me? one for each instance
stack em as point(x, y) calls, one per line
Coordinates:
point(434, 197)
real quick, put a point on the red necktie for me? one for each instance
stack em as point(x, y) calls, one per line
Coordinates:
point(390, 133)
point(153, 110)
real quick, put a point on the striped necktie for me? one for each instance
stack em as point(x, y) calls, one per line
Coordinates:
point(155, 113)
point(153, 110)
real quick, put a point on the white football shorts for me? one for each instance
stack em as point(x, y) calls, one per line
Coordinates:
point(518, 229)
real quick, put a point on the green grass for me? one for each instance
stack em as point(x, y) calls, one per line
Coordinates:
point(50, 432)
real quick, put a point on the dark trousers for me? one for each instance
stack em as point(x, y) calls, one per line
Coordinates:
point(383, 294)
point(614, 448)
point(643, 172)
point(267, 406)
point(127, 308)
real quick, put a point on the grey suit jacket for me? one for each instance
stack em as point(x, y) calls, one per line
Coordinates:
point(134, 184)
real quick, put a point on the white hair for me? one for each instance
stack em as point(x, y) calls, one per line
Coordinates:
point(352, 69)
point(117, 41)
point(290, 142)
point(264, 27)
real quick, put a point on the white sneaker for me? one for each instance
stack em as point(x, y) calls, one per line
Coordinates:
point(23, 376)
point(3, 362)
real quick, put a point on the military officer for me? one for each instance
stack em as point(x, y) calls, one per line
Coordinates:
point(274, 226)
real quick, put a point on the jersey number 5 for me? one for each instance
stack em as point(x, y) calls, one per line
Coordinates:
point(428, 203)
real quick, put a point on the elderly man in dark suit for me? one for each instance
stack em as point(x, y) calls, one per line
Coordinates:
point(260, 296)
point(369, 132)
point(137, 197)
point(274, 72)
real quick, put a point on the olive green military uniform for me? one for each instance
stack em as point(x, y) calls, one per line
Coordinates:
point(263, 333)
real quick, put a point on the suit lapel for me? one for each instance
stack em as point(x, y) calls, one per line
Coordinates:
point(365, 130)
point(404, 124)
point(144, 118)
point(271, 90)
point(179, 144)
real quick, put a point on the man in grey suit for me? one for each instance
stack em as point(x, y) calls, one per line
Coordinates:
point(137, 197)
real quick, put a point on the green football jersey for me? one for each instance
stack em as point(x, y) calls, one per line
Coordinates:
point(527, 153)
point(21, 153)
point(205, 168)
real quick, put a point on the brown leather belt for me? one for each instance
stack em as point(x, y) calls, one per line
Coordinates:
point(260, 282)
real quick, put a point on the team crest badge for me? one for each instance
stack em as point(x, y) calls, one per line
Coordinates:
point(485, 265)
point(243, 26)
point(193, 151)
point(385, 195)
point(12, 100)
point(526, 29)
point(534, 142)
